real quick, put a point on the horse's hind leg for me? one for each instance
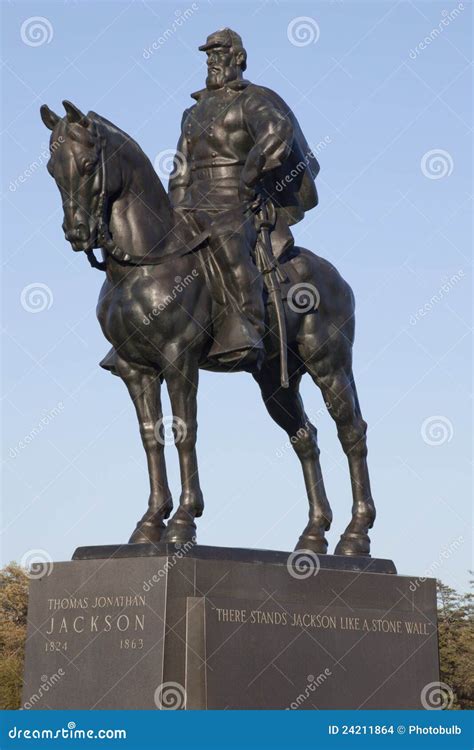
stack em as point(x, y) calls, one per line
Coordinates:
point(286, 407)
point(144, 389)
point(339, 392)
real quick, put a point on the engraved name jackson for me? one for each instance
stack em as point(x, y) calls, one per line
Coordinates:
point(67, 619)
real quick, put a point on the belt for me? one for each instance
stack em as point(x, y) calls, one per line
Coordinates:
point(218, 172)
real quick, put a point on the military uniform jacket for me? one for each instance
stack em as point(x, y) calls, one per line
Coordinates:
point(242, 134)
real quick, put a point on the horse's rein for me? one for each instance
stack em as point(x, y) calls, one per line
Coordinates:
point(105, 241)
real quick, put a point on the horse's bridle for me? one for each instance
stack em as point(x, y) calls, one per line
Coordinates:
point(104, 238)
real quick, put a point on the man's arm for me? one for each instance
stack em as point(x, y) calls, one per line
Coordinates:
point(272, 133)
point(180, 177)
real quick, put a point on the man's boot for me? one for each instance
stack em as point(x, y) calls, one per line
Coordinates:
point(237, 344)
point(238, 332)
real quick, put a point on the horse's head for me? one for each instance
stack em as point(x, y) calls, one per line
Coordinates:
point(76, 148)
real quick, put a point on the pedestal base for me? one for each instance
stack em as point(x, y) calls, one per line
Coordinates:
point(156, 626)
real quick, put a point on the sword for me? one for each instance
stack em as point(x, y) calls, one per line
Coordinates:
point(273, 276)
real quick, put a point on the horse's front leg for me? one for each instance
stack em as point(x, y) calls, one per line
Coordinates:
point(144, 388)
point(182, 382)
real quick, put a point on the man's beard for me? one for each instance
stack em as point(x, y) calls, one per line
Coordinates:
point(218, 79)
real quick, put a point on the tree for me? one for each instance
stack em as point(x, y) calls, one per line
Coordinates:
point(13, 608)
point(456, 644)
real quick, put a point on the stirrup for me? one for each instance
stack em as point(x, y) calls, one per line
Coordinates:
point(236, 339)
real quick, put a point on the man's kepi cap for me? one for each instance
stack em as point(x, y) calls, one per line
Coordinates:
point(226, 38)
point(223, 38)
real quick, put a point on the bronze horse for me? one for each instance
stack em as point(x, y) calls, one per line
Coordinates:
point(113, 199)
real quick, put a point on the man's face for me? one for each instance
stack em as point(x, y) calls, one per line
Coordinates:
point(221, 67)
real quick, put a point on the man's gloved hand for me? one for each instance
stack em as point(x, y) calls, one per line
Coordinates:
point(247, 192)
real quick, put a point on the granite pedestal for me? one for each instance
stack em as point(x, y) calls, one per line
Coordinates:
point(162, 627)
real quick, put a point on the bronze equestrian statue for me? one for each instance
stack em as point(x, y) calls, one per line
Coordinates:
point(209, 277)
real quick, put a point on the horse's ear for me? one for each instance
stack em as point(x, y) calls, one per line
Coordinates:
point(74, 114)
point(49, 117)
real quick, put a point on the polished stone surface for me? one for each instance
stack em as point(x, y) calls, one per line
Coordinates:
point(244, 629)
point(203, 552)
point(92, 624)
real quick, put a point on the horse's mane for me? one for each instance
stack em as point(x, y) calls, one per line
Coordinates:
point(118, 131)
point(161, 198)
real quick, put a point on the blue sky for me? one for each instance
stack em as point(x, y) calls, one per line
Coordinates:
point(390, 101)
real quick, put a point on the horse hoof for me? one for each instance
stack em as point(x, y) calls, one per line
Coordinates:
point(315, 544)
point(147, 533)
point(180, 535)
point(353, 544)
point(180, 532)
